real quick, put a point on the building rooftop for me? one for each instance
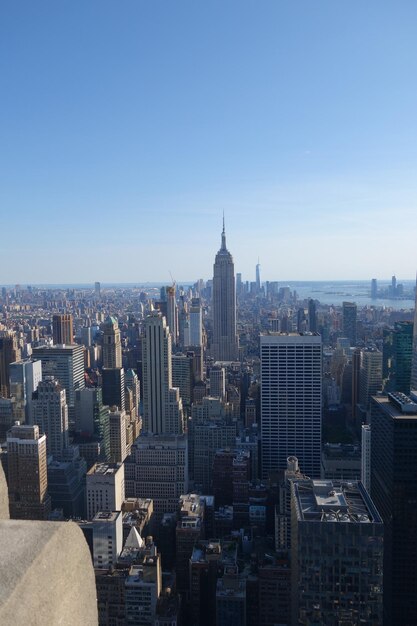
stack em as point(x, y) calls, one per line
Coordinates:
point(106, 516)
point(333, 501)
point(104, 469)
point(398, 405)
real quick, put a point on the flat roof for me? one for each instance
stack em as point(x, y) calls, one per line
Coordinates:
point(333, 501)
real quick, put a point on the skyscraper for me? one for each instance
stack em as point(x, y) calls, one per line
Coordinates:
point(50, 413)
point(394, 491)
point(27, 469)
point(9, 352)
point(172, 313)
point(291, 401)
point(225, 345)
point(312, 316)
point(162, 406)
point(62, 329)
point(66, 364)
point(397, 357)
point(370, 375)
point(113, 381)
point(258, 277)
point(329, 583)
point(196, 323)
point(24, 379)
point(112, 346)
point(349, 321)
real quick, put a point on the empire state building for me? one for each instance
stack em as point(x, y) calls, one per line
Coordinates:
point(225, 346)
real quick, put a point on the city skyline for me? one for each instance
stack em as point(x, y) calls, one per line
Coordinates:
point(148, 122)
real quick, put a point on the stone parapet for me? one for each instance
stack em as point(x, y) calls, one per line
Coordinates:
point(46, 573)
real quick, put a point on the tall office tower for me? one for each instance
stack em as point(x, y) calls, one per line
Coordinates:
point(113, 381)
point(301, 321)
point(172, 313)
point(162, 405)
point(356, 367)
point(206, 436)
point(370, 375)
point(374, 289)
point(62, 329)
point(97, 290)
point(196, 323)
point(225, 345)
point(112, 345)
point(394, 491)
point(397, 357)
point(107, 538)
point(66, 364)
point(105, 488)
point(27, 473)
point(312, 316)
point(117, 429)
point(291, 401)
point(92, 421)
point(349, 321)
point(258, 277)
point(218, 382)
point(86, 336)
point(413, 384)
point(24, 379)
point(327, 519)
point(132, 383)
point(157, 468)
point(366, 457)
point(239, 284)
point(7, 416)
point(9, 353)
point(66, 483)
point(183, 378)
point(50, 413)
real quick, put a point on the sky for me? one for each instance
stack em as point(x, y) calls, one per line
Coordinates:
point(128, 127)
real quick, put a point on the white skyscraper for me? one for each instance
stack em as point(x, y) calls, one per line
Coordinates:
point(24, 379)
point(162, 406)
point(50, 413)
point(105, 488)
point(291, 401)
point(225, 345)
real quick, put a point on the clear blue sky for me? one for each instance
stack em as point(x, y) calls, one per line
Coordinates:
point(128, 126)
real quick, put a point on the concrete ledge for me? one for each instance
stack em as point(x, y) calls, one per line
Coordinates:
point(46, 575)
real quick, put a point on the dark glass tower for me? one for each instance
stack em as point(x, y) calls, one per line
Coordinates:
point(396, 357)
point(349, 321)
point(394, 492)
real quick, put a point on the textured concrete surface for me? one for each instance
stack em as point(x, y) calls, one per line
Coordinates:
point(46, 575)
point(4, 499)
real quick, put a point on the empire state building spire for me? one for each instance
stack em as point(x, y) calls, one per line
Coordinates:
point(225, 346)
point(223, 237)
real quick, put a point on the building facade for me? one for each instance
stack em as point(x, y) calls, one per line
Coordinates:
point(291, 401)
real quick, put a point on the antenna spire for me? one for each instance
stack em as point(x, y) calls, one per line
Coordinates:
point(223, 236)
